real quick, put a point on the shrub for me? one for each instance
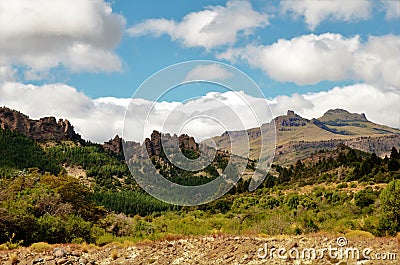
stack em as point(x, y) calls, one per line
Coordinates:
point(40, 246)
point(365, 198)
point(105, 239)
point(390, 203)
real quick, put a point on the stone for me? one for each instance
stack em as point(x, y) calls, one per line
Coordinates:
point(62, 261)
point(114, 145)
point(59, 252)
point(38, 261)
point(46, 128)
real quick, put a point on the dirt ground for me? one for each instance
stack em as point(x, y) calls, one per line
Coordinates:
point(221, 249)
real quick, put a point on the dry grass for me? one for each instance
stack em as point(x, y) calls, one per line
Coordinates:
point(40, 247)
point(359, 234)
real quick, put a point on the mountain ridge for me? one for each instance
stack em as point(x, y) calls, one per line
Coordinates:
point(296, 136)
point(46, 128)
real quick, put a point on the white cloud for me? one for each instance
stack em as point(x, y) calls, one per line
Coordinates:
point(209, 28)
point(378, 61)
point(380, 106)
point(7, 73)
point(392, 8)
point(209, 72)
point(310, 59)
point(79, 35)
point(100, 119)
point(95, 120)
point(315, 12)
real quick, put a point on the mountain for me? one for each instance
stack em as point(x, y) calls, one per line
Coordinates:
point(298, 137)
point(342, 122)
point(46, 128)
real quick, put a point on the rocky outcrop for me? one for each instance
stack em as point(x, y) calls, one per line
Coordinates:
point(187, 142)
point(114, 145)
point(291, 119)
point(46, 128)
point(154, 145)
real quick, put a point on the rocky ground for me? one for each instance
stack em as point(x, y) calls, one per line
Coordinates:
point(218, 250)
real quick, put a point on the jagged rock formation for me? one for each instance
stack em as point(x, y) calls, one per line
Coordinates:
point(154, 144)
point(46, 128)
point(114, 145)
point(290, 120)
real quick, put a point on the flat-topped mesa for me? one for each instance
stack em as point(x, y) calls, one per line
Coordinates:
point(291, 119)
point(46, 128)
point(154, 145)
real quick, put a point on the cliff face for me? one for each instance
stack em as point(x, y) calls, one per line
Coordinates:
point(43, 129)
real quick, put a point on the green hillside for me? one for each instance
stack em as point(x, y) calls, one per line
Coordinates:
point(18, 152)
point(333, 191)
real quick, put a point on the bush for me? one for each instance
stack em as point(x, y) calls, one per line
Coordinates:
point(365, 198)
point(40, 246)
point(55, 229)
point(105, 239)
point(390, 203)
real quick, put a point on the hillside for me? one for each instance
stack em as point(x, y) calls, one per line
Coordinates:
point(336, 190)
point(297, 137)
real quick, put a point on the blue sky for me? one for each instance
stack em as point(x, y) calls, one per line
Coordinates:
point(305, 55)
point(144, 55)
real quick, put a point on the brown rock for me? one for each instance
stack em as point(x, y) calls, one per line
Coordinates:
point(114, 145)
point(46, 128)
point(154, 144)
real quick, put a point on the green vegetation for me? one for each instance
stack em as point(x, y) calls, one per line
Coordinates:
point(18, 152)
point(390, 220)
point(103, 167)
point(334, 191)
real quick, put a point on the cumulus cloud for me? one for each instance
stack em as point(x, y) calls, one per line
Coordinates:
point(212, 72)
point(95, 120)
point(392, 8)
point(310, 59)
point(314, 12)
point(209, 28)
point(78, 35)
point(380, 106)
point(100, 119)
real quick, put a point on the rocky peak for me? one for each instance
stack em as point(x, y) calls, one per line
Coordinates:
point(154, 145)
point(291, 119)
point(46, 128)
point(342, 115)
point(114, 145)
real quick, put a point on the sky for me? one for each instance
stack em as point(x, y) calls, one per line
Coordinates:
point(84, 60)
